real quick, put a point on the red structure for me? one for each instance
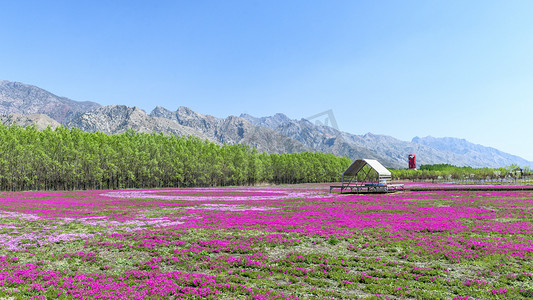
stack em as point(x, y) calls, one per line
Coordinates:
point(412, 161)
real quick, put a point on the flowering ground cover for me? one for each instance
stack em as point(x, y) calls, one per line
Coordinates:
point(277, 242)
point(429, 186)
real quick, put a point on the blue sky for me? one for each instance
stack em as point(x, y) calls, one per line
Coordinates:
point(401, 68)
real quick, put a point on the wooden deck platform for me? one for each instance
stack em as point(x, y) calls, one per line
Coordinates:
point(367, 188)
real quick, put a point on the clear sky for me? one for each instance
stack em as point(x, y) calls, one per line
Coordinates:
point(401, 68)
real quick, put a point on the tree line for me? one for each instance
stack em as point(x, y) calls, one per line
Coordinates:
point(451, 172)
point(71, 159)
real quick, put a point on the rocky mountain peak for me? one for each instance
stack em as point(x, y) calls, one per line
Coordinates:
point(235, 119)
point(159, 111)
point(118, 112)
point(185, 111)
point(232, 130)
point(115, 119)
point(248, 117)
point(281, 117)
point(272, 122)
point(24, 99)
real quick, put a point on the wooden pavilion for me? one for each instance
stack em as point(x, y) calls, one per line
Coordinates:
point(366, 176)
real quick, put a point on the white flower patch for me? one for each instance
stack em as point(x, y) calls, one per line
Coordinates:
point(212, 195)
point(226, 207)
point(39, 238)
point(101, 221)
point(137, 223)
point(18, 215)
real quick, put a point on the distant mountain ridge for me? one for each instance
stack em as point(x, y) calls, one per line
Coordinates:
point(23, 104)
point(25, 99)
point(115, 119)
point(389, 150)
point(466, 148)
point(232, 130)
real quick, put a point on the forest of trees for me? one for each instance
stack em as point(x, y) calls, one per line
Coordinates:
point(71, 159)
point(66, 159)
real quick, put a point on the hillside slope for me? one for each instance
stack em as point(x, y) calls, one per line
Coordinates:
point(25, 99)
point(486, 156)
point(39, 120)
point(391, 151)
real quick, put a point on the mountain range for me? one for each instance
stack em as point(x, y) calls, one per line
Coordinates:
point(24, 105)
point(24, 99)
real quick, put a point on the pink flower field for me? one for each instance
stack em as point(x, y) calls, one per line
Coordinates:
point(275, 242)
